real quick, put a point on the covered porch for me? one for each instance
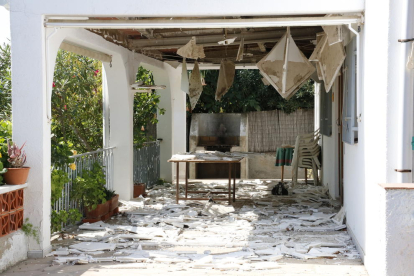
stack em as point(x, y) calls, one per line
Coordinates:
point(148, 36)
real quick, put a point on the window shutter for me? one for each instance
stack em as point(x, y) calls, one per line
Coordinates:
point(349, 120)
point(325, 111)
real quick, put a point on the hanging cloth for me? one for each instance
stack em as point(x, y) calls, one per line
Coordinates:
point(285, 67)
point(196, 87)
point(184, 78)
point(226, 78)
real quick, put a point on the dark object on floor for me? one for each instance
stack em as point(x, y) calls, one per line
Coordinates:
point(280, 189)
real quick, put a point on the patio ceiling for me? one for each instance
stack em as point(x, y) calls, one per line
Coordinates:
point(162, 43)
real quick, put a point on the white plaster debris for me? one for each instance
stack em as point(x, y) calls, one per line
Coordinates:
point(256, 233)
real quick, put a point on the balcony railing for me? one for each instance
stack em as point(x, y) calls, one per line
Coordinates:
point(147, 164)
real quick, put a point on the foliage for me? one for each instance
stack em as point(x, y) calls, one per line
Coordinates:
point(5, 82)
point(30, 231)
point(17, 156)
point(248, 93)
point(5, 133)
point(145, 108)
point(90, 187)
point(3, 170)
point(77, 102)
point(59, 218)
point(109, 194)
point(58, 180)
point(60, 152)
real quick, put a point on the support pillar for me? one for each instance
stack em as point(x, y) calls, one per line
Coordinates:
point(30, 122)
point(121, 101)
point(171, 126)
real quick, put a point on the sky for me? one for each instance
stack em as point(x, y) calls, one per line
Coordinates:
point(4, 25)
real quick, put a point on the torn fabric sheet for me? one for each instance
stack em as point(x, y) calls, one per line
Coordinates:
point(225, 79)
point(286, 67)
point(191, 50)
point(184, 78)
point(334, 34)
point(196, 87)
point(330, 61)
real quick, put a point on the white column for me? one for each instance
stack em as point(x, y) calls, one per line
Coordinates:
point(179, 121)
point(171, 126)
point(121, 123)
point(105, 111)
point(374, 126)
point(30, 122)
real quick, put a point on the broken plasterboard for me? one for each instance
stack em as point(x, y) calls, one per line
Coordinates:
point(286, 67)
point(217, 209)
point(196, 87)
point(227, 41)
point(184, 78)
point(241, 50)
point(225, 79)
point(191, 50)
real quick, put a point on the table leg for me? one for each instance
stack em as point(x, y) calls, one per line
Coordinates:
point(283, 172)
point(234, 183)
point(178, 182)
point(229, 183)
point(186, 179)
point(306, 176)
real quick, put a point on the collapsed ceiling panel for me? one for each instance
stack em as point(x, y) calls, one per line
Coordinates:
point(285, 67)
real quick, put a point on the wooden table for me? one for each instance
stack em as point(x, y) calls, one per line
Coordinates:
point(229, 192)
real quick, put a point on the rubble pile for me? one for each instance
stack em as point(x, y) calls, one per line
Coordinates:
point(258, 231)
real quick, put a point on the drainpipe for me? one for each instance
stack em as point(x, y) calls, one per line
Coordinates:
point(405, 101)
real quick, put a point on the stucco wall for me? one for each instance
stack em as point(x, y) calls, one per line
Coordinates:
point(399, 241)
point(13, 249)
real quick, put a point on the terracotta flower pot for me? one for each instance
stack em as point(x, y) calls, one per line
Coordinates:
point(99, 211)
point(114, 203)
point(16, 176)
point(139, 189)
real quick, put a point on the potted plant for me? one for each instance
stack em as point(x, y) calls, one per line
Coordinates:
point(16, 174)
point(139, 189)
point(90, 190)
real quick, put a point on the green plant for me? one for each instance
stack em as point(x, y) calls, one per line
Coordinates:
point(58, 180)
point(17, 156)
point(90, 187)
point(146, 106)
point(5, 82)
point(2, 171)
point(59, 218)
point(30, 231)
point(109, 194)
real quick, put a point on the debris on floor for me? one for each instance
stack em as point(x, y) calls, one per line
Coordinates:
point(259, 231)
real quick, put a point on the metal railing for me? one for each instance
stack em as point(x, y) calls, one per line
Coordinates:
point(147, 164)
point(85, 161)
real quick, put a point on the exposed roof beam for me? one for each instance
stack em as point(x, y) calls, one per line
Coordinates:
point(214, 44)
point(205, 39)
point(206, 23)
